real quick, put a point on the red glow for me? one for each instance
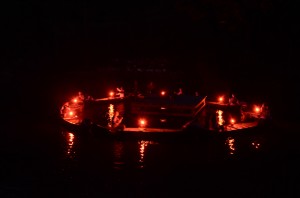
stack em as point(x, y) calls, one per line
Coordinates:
point(142, 122)
point(111, 94)
point(232, 121)
point(221, 99)
point(163, 120)
point(75, 100)
point(256, 109)
point(163, 93)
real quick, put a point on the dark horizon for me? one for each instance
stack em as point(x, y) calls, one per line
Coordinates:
point(227, 35)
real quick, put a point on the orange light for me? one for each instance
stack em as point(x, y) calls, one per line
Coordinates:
point(71, 138)
point(162, 93)
point(232, 121)
point(75, 100)
point(142, 122)
point(221, 99)
point(71, 113)
point(256, 109)
point(111, 94)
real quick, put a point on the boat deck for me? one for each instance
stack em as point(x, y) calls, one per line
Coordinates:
point(227, 128)
point(183, 106)
point(109, 99)
point(243, 125)
point(151, 130)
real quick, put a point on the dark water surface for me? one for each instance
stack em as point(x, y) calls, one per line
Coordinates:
point(39, 158)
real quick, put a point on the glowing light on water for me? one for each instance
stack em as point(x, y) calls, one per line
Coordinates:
point(220, 117)
point(256, 145)
point(111, 112)
point(231, 144)
point(142, 149)
point(70, 137)
point(143, 144)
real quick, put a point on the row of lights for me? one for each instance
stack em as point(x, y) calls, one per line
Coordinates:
point(112, 94)
point(256, 108)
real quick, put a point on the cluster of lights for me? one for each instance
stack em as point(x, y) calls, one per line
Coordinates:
point(70, 141)
point(231, 144)
point(255, 145)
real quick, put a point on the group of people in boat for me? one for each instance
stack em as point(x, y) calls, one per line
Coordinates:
point(233, 100)
point(121, 92)
point(263, 114)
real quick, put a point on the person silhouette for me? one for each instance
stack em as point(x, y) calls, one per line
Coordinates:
point(116, 120)
point(180, 92)
point(121, 92)
point(233, 100)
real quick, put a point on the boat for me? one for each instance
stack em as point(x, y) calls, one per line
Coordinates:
point(222, 118)
point(159, 115)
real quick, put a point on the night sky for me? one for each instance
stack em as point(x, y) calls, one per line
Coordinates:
point(248, 42)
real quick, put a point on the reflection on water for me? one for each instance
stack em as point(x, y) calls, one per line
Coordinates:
point(143, 144)
point(118, 155)
point(230, 142)
point(124, 151)
point(256, 144)
point(70, 140)
point(110, 113)
point(243, 146)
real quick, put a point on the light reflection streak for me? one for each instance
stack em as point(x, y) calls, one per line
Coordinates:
point(231, 145)
point(70, 140)
point(111, 112)
point(143, 144)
